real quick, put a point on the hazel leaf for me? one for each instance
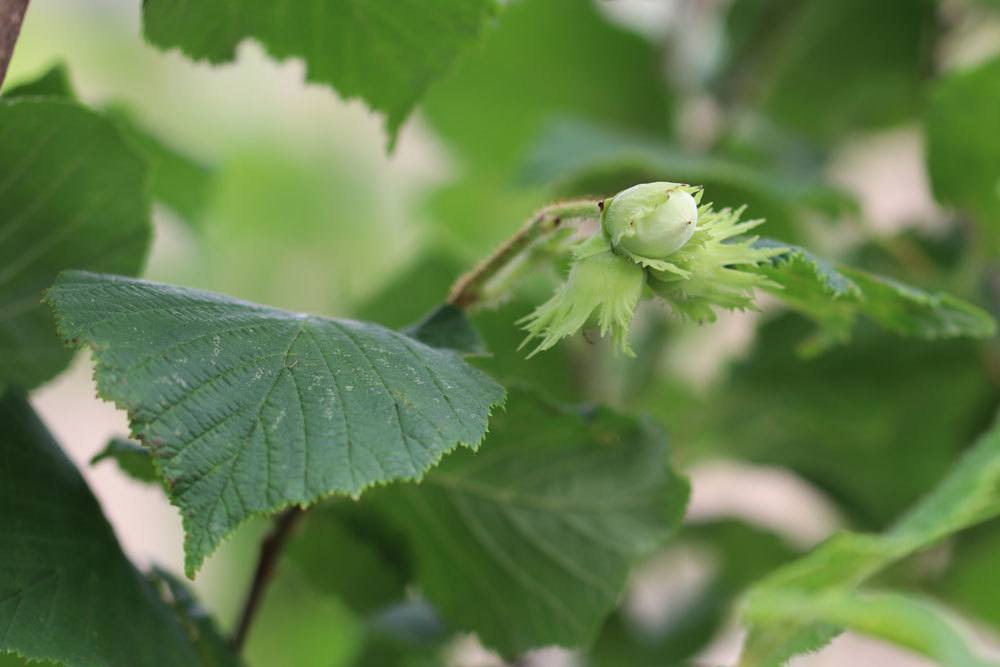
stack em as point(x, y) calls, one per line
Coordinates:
point(529, 542)
point(248, 409)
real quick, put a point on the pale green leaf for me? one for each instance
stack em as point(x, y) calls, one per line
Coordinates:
point(529, 542)
point(386, 52)
point(906, 621)
point(969, 495)
point(963, 147)
point(249, 409)
point(67, 592)
point(73, 194)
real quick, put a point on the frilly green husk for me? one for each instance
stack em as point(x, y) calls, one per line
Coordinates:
point(709, 272)
point(600, 282)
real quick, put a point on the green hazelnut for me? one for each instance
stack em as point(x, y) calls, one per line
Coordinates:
point(651, 220)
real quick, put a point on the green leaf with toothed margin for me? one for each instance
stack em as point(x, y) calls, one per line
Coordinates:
point(836, 296)
point(249, 409)
point(67, 592)
point(386, 52)
point(528, 543)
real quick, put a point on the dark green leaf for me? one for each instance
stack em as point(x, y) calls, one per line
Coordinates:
point(67, 592)
point(447, 327)
point(250, 409)
point(386, 52)
point(208, 642)
point(849, 420)
point(836, 296)
point(132, 459)
point(177, 180)
point(536, 63)
point(529, 542)
point(963, 147)
point(583, 158)
point(344, 551)
point(53, 82)
point(791, 61)
point(72, 195)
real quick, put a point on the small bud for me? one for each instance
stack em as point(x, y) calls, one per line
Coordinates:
point(651, 221)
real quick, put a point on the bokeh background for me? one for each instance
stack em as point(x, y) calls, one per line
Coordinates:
point(808, 112)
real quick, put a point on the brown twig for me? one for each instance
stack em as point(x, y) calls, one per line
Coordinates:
point(11, 17)
point(270, 548)
point(467, 290)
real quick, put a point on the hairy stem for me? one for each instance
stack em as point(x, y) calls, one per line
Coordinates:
point(11, 17)
point(270, 548)
point(469, 288)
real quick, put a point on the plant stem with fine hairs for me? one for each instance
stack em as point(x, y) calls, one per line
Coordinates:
point(468, 289)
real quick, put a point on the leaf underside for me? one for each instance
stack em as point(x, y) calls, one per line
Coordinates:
point(249, 409)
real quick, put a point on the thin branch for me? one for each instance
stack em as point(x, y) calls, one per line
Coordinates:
point(468, 289)
point(270, 548)
point(11, 17)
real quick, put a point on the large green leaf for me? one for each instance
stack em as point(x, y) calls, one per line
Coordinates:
point(73, 194)
point(849, 420)
point(529, 542)
point(837, 296)
point(344, 550)
point(386, 52)
point(249, 409)
point(67, 592)
point(175, 179)
point(788, 609)
point(545, 58)
point(790, 59)
point(963, 147)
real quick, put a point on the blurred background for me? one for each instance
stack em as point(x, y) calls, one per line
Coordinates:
point(814, 113)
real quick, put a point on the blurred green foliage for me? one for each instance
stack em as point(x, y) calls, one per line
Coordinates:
point(297, 207)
